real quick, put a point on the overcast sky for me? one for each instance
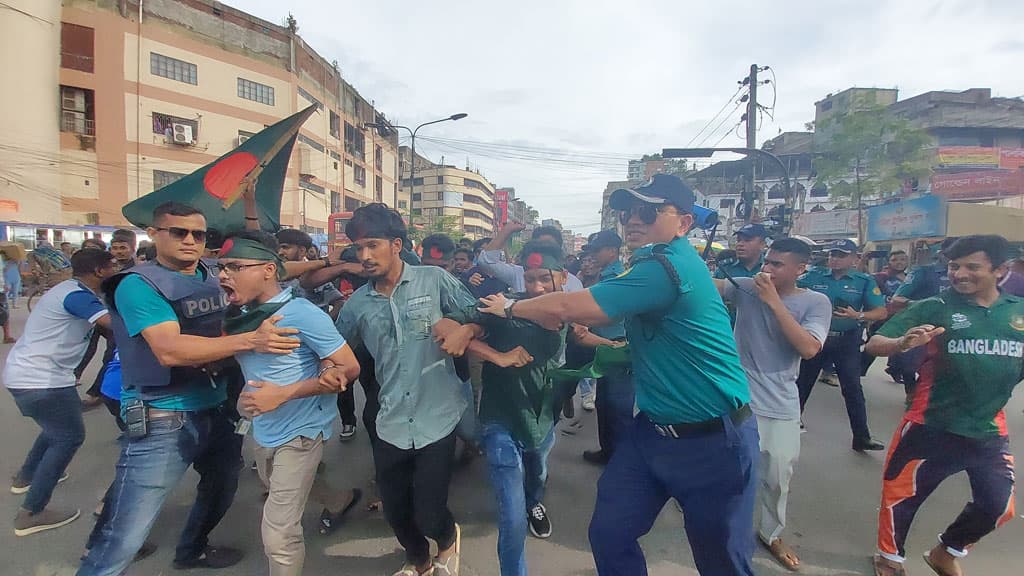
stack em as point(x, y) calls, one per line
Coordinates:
point(598, 82)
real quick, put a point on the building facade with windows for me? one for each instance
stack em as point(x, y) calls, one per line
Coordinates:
point(145, 96)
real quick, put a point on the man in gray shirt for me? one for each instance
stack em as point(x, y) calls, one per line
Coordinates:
point(777, 324)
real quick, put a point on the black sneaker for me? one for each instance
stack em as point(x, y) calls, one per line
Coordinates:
point(540, 525)
point(866, 444)
point(213, 557)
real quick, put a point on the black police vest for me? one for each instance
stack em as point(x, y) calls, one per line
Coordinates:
point(199, 304)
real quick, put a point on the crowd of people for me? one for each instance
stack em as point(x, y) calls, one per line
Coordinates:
point(699, 381)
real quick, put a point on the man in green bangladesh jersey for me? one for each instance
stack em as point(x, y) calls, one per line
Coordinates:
point(973, 338)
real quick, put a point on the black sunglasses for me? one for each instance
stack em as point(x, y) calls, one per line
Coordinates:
point(648, 213)
point(180, 233)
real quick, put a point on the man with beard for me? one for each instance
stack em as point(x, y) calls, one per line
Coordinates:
point(421, 398)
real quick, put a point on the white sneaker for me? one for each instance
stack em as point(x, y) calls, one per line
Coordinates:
point(588, 403)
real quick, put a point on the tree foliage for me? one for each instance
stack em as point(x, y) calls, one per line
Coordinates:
point(450, 226)
point(870, 154)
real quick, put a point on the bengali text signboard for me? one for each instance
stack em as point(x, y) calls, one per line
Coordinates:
point(978, 185)
point(923, 217)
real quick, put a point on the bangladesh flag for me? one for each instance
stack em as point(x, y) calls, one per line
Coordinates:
point(216, 188)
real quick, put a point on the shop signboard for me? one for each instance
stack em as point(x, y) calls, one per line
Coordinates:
point(923, 217)
point(977, 185)
point(827, 225)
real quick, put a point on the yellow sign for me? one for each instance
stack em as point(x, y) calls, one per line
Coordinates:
point(968, 156)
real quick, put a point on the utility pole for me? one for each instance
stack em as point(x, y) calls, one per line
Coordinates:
point(748, 187)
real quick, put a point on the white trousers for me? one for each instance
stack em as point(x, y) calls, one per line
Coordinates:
point(780, 449)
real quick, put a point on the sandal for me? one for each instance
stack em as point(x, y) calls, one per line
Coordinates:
point(936, 569)
point(884, 567)
point(784, 555)
point(450, 567)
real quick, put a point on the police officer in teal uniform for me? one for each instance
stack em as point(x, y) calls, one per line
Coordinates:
point(856, 300)
point(693, 439)
point(751, 242)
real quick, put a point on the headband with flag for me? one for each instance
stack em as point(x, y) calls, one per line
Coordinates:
point(252, 250)
point(542, 255)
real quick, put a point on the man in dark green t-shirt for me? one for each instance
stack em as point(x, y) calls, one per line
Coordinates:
point(973, 339)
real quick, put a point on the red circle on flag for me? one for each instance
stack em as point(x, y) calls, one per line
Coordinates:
point(534, 260)
point(223, 178)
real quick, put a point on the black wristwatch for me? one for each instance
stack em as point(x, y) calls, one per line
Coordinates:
point(508, 308)
point(327, 261)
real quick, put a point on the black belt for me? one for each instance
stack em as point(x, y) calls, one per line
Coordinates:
point(689, 429)
point(834, 333)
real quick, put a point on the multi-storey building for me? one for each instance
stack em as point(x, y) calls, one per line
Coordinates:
point(440, 190)
point(147, 92)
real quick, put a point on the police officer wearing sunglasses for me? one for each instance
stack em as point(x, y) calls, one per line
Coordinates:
point(167, 317)
point(693, 439)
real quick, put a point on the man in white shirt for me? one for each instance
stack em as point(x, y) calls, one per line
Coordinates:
point(40, 375)
point(491, 261)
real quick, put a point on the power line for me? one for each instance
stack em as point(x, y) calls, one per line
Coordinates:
point(713, 118)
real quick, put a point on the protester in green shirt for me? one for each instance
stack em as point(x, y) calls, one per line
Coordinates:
point(517, 413)
point(973, 338)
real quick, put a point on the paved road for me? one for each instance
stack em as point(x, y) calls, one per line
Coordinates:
point(832, 511)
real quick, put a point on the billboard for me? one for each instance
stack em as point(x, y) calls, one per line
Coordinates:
point(978, 185)
point(980, 157)
point(828, 224)
point(923, 217)
point(501, 206)
point(968, 156)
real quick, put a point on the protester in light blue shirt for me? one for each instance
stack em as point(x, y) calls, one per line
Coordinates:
point(290, 397)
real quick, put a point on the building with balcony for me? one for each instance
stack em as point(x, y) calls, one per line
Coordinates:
point(144, 95)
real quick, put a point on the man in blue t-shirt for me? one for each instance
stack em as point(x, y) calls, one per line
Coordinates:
point(290, 397)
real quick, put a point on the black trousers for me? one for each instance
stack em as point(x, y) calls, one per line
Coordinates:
point(108, 355)
point(347, 406)
point(843, 350)
point(413, 487)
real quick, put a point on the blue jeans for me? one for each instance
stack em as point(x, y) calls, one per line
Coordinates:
point(615, 399)
point(713, 477)
point(586, 387)
point(518, 476)
point(58, 411)
point(148, 470)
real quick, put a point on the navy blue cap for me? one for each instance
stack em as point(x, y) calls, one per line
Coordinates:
point(604, 239)
point(752, 230)
point(660, 189)
point(848, 246)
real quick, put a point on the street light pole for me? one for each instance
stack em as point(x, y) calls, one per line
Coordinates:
point(412, 147)
point(747, 199)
